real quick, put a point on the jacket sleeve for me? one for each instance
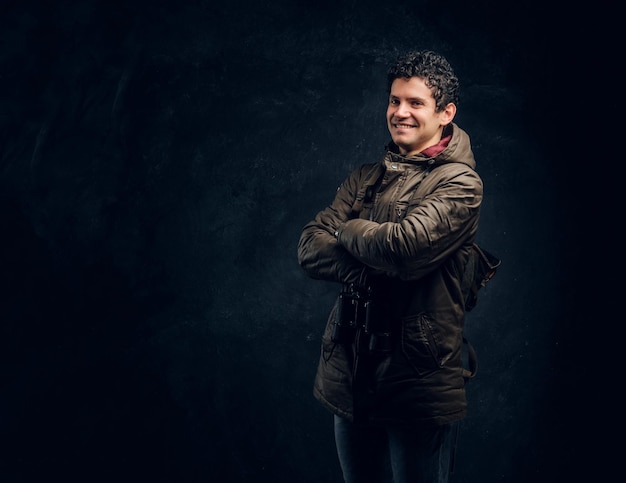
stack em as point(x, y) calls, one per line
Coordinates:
point(319, 253)
point(432, 230)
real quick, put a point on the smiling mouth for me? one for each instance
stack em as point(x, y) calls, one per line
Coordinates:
point(403, 126)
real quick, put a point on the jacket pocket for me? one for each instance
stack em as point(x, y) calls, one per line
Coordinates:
point(327, 344)
point(400, 210)
point(420, 343)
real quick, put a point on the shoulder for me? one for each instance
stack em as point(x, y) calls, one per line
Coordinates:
point(364, 173)
point(454, 176)
point(454, 169)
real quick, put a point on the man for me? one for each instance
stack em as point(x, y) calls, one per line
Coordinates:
point(396, 237)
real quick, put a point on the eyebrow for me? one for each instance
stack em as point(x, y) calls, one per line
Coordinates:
point(421, 99)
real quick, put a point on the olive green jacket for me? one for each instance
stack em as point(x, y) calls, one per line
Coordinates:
point(402, 227)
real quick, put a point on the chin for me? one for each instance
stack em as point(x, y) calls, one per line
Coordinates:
point(400, 144)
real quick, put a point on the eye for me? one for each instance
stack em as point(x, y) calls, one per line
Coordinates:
point(394, 102)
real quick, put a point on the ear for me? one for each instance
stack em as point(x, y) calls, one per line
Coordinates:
point(448, 113)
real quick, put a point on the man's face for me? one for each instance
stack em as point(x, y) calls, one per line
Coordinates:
point(411, 118)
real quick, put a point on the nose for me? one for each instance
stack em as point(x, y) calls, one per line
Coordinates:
point(401, 110)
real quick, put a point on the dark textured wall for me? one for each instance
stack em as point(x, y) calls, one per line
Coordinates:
point(158, 163)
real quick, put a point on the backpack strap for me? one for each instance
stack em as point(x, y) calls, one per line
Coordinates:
point(491, 261)
point(480, 268)
point(472, 361)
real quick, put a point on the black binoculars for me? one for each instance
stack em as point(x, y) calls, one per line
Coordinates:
point(359, 310)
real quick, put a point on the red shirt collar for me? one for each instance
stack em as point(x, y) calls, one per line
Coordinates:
point(434, 150)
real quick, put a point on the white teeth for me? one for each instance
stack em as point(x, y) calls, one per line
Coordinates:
point(405, 126)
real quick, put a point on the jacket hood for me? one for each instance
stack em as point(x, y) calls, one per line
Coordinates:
point(459, 150)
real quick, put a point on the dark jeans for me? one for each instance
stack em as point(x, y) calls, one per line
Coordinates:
point(374, 454)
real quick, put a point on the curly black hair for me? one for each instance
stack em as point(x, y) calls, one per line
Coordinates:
point(434, 69)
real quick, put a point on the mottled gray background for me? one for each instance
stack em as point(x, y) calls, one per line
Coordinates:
point(159, 160)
